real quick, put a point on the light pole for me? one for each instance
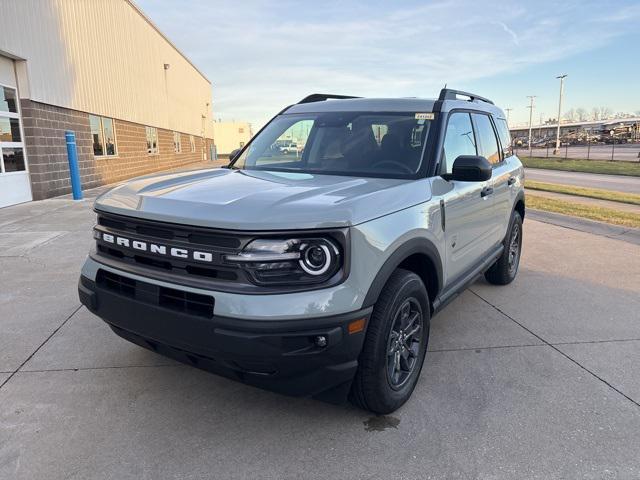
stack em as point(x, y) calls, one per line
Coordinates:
point(530, 107)
point(508, 110)
point(561, 77)
point(540, 127)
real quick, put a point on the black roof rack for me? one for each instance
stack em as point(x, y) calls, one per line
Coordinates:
point(450, 94)
point(321, 97)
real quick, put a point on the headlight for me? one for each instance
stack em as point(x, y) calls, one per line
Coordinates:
point(289, 261)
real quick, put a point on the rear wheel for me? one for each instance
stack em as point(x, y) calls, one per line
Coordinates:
point(395, 345)
point(505, 269)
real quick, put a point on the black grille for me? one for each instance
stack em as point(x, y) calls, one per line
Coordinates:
point(196, 238)
point(147, 228)
point(187, 302)
point(116, 283)
point(169, 298)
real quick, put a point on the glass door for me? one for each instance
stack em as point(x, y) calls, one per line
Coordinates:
point(14, 176)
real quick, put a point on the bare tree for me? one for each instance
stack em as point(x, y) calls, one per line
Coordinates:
point(582, 114)
point(595, 113)
point(605, 112)
point(570, 115)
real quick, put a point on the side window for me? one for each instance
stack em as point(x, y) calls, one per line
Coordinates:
point(458, 140)
point(505, 137)
point(488, 143)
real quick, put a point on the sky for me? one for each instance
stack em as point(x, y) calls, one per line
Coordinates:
point(261, 55)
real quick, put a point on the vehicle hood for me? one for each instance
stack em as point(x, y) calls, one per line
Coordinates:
point(261, 200)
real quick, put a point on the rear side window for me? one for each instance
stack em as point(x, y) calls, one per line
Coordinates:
point(487, 141)
point(505, 137)
point(458, 140)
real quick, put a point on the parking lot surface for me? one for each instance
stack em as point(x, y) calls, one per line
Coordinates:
point(538, 379)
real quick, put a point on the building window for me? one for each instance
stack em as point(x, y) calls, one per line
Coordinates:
point(11, 146)
point(192, 142)
point(9, 129)
point(177, 145)
point(8, 102)
point(240, 130)
point(103, 136)
point(152, 140)
point(13, 159)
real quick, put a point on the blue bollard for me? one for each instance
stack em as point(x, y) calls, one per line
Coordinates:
point(74, 171)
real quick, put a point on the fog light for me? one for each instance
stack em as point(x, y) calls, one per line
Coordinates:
point(320, 341)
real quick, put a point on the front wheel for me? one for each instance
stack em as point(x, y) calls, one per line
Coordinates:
point(395, 345)
point(505, 269)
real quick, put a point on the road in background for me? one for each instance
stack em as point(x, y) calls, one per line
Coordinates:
point(618, 183)
point(627, 152)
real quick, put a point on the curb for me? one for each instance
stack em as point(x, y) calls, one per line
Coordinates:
point(626, 234)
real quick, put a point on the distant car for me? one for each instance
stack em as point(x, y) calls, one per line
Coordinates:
point(288, 147)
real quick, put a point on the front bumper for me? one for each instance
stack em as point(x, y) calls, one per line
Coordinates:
point(278, 355)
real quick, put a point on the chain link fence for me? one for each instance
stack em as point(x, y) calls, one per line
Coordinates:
point(618, 144)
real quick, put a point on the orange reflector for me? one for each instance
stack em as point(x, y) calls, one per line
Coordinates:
point(356, 326)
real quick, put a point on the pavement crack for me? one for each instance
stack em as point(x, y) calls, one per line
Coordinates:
point(598, 341)
point(40, 346)
point(556, 349)
point(464, 349)
point(109, 367)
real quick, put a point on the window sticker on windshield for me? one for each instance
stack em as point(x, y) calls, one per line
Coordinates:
point(425, 116)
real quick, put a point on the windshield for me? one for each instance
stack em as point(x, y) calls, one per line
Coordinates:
point(340, 143)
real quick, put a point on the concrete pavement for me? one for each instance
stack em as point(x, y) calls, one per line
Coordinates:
point(619, 183)
point(534, 380)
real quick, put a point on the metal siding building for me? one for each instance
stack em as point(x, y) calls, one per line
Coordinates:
point(70, 59)
point(231, 135)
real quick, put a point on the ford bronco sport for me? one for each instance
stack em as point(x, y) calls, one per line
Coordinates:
point(315, 275)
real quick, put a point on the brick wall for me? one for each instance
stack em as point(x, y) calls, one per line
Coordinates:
point(44, 128)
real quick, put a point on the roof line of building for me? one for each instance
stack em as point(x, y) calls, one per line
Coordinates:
point(608, 121)
point(155, 27)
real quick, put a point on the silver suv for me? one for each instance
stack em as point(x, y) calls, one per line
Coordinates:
point(315, 275)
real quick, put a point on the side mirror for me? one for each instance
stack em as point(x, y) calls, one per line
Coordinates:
point(234, 154)
point(470, 168)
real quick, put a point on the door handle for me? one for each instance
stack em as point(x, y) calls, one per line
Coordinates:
point(486, 191)
point(511, 181)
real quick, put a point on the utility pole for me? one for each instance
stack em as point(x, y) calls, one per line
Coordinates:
point(508, 110)
point(530, 107)
point(540, 126)
point(561, 77)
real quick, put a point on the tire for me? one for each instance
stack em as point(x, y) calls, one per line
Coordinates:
point(505, 269)
point(378, 385)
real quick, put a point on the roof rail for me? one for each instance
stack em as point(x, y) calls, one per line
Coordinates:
point(451, 94)
point(321, 97)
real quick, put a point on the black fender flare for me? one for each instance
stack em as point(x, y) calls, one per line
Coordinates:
point(519, 197)
point(412, 246)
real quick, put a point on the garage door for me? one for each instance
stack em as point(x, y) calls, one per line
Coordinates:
point(14, 172)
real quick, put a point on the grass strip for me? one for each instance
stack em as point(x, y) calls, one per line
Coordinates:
point(631, 169)
point(600, 214)
point(600, 194)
